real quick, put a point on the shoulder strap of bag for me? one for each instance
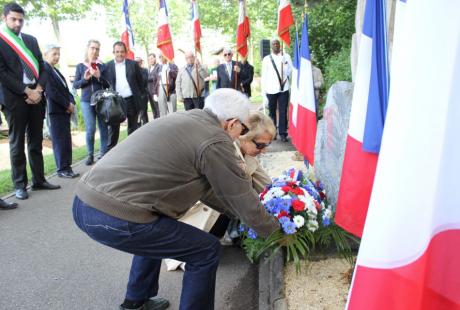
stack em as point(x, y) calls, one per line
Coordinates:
point(277, 73)
point(193, 81)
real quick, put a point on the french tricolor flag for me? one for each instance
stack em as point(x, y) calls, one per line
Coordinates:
point(306, 110)
point(285, 21)
point(294, 98)
point(410, 250)
point(196, 26)
point(243, 31)
point(127, 36)
point(368, 110)
point(164, 39)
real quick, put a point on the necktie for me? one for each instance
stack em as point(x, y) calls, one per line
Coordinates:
point(229, 70)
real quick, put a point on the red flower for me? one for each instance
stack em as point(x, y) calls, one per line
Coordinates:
point(283, 213)
point(291, 184)
point(298, 205)
point(286, 189)
point(317, 205)
point(297, 191)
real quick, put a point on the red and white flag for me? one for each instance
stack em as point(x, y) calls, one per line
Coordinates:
point(164, 38)
point(305, 117)
point(127, 36)
point(196, 26)
point(243, 32)
point(409, 255)
point(285, 21)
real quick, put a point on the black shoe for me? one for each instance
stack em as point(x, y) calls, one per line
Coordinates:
point(21, 194)
point(45, 185)
point(89, 161)
point(7, 205)
point(156, 303)
point(68, 174)
point(284, 139)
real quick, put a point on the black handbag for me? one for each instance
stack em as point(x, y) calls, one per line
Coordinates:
point(109, 105)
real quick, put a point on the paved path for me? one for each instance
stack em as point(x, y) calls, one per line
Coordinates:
point(46, 262)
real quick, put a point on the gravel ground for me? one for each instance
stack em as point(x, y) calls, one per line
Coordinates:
point(322, 285)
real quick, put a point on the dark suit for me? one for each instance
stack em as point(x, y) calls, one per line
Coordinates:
point(151, 88)
point(22, 118)
point(132, 103)
point(144, 117)
point(59, 98)
point(247, 71)
point(223, 79)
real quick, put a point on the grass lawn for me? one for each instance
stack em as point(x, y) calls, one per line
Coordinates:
point(79, 153)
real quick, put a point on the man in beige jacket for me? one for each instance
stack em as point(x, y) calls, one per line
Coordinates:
point(131, 199)
point(190, 83)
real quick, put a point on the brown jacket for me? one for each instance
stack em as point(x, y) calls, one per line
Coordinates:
point(166, 166)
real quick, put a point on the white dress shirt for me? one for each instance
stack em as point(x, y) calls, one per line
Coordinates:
point(122, 85)
point(164, 74)
point(270, 82)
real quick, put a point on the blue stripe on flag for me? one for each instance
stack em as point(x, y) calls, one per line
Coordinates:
point(163, 5)
point(296, 58)
point(379, 80)
point(304, 47)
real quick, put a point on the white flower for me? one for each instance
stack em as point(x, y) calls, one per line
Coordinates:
point(299, 221)
point(312, 225)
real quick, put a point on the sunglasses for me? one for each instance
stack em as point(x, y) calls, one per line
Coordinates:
point(260, 146)
point(228, 54)
point(245, 129)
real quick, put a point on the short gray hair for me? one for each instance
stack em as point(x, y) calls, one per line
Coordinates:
point(227, 50)
point(228, 103)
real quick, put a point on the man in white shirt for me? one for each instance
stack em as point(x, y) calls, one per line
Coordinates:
point(276, 72)
point(165, 86)
point(125, 76)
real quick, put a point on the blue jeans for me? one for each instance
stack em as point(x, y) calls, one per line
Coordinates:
point(89, 115)
point(151, 242)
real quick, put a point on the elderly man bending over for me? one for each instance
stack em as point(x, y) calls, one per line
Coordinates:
point(131, 200)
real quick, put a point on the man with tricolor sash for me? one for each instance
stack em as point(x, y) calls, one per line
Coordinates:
point(22, 77)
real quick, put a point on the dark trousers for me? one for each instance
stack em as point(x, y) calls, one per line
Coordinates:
point(154, 107)
point(132, 114)
point(26, 119)
point(150, 243)
point(280, 101)
point(143, 115)
point(193, 103)
point(62, 141)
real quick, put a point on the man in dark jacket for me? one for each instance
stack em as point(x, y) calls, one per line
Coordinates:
point(229, 74)
point(23, 77)
point(61, 105)
point(247, 71)
point(153, 65)
point(143, 117)
point(126, 77)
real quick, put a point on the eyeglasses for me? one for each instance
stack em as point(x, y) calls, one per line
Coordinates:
point(245, 129)
point(228, 54)
point(260, 146)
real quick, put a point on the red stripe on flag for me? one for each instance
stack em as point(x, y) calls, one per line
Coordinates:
point(197, 34)
point(164, 42)
point(430, 282)
point(285, 21)
point(125, 39)
point(306, 133)
point(355, 187)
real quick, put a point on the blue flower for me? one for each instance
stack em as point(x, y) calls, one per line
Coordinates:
point(242, 228)
point(252, 234)
point(326, 221)
point(289, 227)
point(283, 220)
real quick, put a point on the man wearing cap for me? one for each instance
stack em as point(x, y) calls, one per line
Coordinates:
point(229, 74)
point(61, 105)
point(23, 77)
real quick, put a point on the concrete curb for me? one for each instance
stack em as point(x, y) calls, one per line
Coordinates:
point(271, 282)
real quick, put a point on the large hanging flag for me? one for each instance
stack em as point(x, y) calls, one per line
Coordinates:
point(243, 31)
point(285, 21)
point(196, 26)
point(294, 98)
point(164, 38)
point(370, 100)
point(306, 114)
point(127, 36)
point(409, 255)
